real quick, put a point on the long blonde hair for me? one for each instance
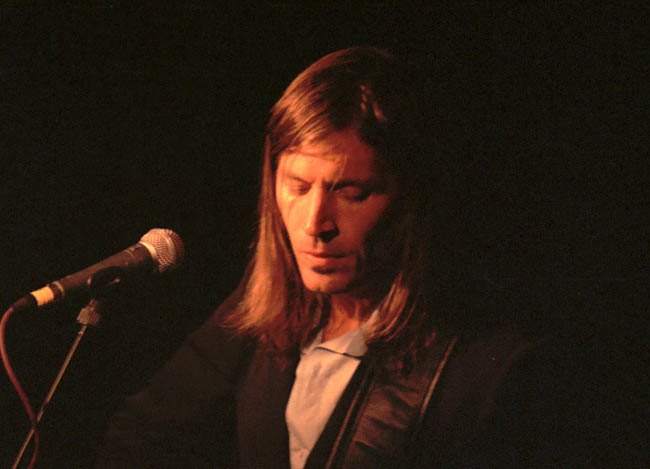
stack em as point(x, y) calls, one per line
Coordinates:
point(373, 92)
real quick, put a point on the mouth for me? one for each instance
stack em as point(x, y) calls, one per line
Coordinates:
point(325, 262)
point(325, 255)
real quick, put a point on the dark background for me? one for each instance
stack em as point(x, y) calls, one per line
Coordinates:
point(120, 119)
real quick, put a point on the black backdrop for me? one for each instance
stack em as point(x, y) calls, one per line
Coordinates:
point(116, 120)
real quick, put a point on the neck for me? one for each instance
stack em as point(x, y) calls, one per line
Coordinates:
point(348, 312)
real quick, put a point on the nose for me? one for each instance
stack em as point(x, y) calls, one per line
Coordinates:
point(321, 220)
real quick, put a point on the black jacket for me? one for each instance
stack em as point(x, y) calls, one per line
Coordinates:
point(220, 402)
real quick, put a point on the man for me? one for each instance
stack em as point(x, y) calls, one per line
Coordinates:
point(341, 348)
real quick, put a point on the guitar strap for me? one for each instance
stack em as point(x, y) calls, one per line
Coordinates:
point(375, 414)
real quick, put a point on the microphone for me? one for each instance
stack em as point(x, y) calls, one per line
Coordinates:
point(157, 251)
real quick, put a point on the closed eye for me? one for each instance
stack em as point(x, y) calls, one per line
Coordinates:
point(296, 186)
point(298, 189)
point(353, 193)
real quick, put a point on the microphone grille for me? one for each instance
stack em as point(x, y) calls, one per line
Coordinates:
point(168, 247)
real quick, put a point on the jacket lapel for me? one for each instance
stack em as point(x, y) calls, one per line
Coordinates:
point(261, 401)
point(378, 416)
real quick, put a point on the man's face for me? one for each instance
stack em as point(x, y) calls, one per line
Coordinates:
point(330, 195)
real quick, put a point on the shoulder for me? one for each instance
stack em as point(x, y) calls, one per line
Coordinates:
point(217, 343)
point(505, 399)
point(487, 357)
point(478, 365)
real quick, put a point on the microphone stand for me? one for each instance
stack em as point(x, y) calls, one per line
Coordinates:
point(88, 316)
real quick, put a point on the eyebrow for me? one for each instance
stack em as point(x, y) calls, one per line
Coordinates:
point(366, 184)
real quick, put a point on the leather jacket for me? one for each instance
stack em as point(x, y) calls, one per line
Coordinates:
point(475, 401)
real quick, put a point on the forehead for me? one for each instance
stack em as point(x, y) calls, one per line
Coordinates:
point(341, 154)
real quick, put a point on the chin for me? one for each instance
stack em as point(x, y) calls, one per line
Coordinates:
point(327, 283)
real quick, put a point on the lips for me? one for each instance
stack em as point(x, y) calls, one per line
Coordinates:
point(324, 262)
point(325, 255)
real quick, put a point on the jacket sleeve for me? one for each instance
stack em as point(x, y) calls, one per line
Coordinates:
point(539, 417)
point(185, 416)
point(509, 403)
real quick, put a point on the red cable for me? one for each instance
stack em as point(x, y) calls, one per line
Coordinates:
point(16, 383)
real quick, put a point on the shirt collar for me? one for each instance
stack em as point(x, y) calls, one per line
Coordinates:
point(352, 343)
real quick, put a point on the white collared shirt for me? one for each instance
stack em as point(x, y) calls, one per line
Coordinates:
point(324, 370)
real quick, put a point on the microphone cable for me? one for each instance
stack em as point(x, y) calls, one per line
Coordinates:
point(17, 386)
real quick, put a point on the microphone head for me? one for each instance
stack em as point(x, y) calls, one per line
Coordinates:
point(166, 248)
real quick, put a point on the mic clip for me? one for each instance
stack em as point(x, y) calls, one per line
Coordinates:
point(101, 284)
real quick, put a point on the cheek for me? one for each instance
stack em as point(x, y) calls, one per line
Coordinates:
point(289, 212)
point(361, 221)
point(281, 200)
